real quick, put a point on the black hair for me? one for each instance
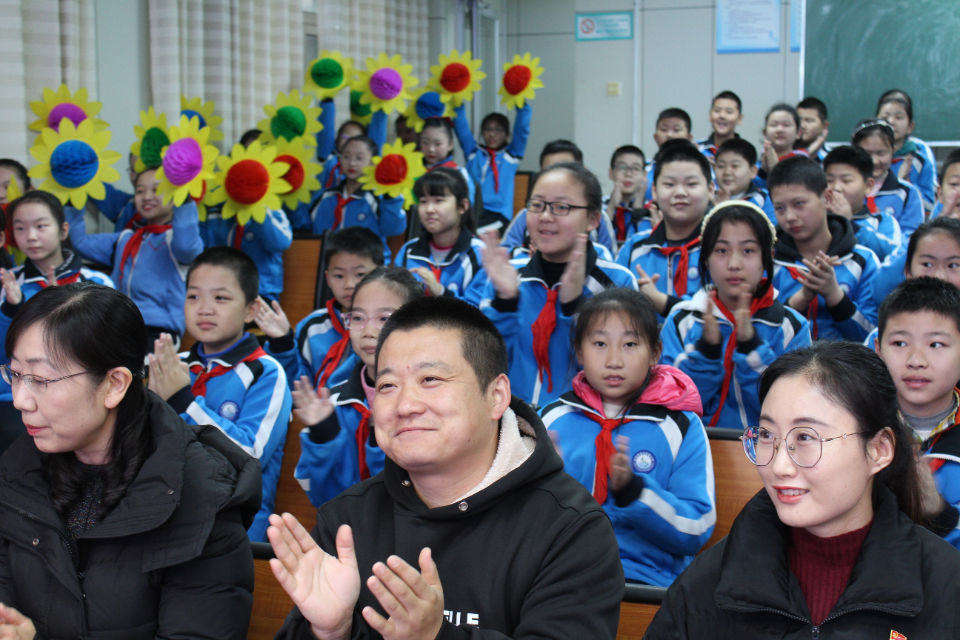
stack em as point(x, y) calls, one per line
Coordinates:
point(358, 241)
point(874, 127)
point(349, 123)
point(592, 192)
point(675, 112)
point(69, 315)
point(250, 136)
point(23, 178)
point(439, 123)
point(816, 104)
point(51, 202)
point(797, 170)
point(500, 119)
point(740, 146)
point(923, 293)
point(561, 146)
point(850, 155)
point(480, 343)
point(728, 95)
point(855, 378)
point(949, 226)
point(952, 158)
point(782, 106)
point(397, 279)
point(370, 144)
point(625, 149)
point(238, 262)
point(758, 223)
point(680, 150)
point(444, 181)
point(897, 96)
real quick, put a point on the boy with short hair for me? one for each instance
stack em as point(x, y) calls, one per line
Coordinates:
point(228, 380)
point(849, 172)
point(948, 189)
point(673, 123)
point(665, 259)
point(726, 114)
point(919, 341)
point(736, 168)
point(819, 269)
point(319, 348)
point(814, 127)
point(624, 206)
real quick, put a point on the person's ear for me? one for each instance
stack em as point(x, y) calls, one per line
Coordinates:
point(880, 450)
point(117, 381)
point(498, 396)
point(251, 311)
point(64, 231)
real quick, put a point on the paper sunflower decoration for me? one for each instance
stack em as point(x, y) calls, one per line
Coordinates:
point(152, 137)
point(300, 171)
point(329, 73)
point(249, 182)
point(187, 162)
point(520, 78)
point(291, 118)
point(427, 105)
point(74, 161)
point(457, 77)
point(60, 104)
point(360, 112)
point(386, 83)
point(196, 107)
point(394, 171)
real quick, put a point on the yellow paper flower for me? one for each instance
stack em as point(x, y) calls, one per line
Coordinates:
point(187, 162)
point(152, 137)
point(291, 118)
point(249, 182)
point(328, 74)
point(427, 104)
point(74, 161)
point(301, 172)
point(386, 83)
point(60, 104)
point(394, 171)
point(520, 78)
point(204, 111)
point(457, 77)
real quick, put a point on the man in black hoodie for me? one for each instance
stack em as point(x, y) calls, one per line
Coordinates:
point(473, 493)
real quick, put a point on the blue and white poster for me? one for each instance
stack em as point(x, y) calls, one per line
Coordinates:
point(748, 26)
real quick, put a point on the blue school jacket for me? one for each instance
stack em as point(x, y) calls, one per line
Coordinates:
point(923, 169)
point(777, 329)
point(264, 242)
point(899, 199)
point(760, 197)
point(633, 219)
point(461, 272)
point(880, 232)
point(890, 273)
point(118, 207)
point(943, 448)
point(646, 250)
point(496, 197)
point(670, 515)
point(329, 462)
point(856, 314)
point(250, 403)
point(382, 215)
point(155, 279)
point(514, 319)
point(332, 175)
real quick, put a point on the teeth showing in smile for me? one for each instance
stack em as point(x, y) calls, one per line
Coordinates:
point(791, 492)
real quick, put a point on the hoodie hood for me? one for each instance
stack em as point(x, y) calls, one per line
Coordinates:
point(666, 386)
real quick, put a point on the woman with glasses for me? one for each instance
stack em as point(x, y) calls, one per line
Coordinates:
point(117, 520)
point(830, 548)
point(338, 448)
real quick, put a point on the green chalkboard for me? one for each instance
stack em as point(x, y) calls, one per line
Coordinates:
point(857, 49)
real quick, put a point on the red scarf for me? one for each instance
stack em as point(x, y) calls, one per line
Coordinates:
point(542, 329)
point(363, 435)
point(450, 164)
point(683, 265)
point(620, 221)
point(755, 305)
point(814, 305)
point(338, 211)
point(872, 204)
point(132, 247)
point(603, 444)
point(199, 386)
point(335, 354)
point(333, 174)
point(70, 279)
point(238, 236)
point(494, 168)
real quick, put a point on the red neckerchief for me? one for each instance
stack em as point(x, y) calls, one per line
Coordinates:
point(680, 273)
point(449, 164)
point(363, 435)
point(333, 174)
point(199, 386)
point(603, 444)
point(70, 279)
point(872, 204)
point(756, 304)
point(493, 168)
point(338, 211)
point(132, 247)
point(335, 354)
point(238, 236)
point(134, 221)
point(814, 305)
point(620, 221)
point(542, 329)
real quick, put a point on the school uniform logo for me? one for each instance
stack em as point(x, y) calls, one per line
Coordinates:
point(229, 410)
point(693, 273)
point(644, 461)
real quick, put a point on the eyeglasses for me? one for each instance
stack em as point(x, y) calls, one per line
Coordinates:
point(628, 168)
point(32, 383)
point(357, 321)
point(804, 445)
point(556, 208)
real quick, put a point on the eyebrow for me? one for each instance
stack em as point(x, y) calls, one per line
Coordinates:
point(798, 420)
point(427, 364)
point(933, 257)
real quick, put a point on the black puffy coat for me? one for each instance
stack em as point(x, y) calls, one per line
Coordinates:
point(171, 560)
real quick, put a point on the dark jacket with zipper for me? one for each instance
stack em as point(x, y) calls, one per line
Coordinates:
point(171, 560)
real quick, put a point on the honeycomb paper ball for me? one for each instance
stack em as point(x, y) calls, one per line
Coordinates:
point(247, 181)
point(154, 140)
point(455, 77)
point(182, 161)
point(391, 170)
point(190, 113)
point(429, 105)
point(65, 110)
point(289, 123)
point(327, 73)
point(516, 79)
point(386, 83)
point(357, 108)
point(295, 173)
point(73, 163)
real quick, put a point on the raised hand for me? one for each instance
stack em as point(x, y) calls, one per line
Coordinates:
point(711, 328)
point(656, 216)
point(413, 600)
point(575, 273)
point(822, 278)
point(838, 204)
point(11, 288)
point(310, 406)
point(620, 471)
point(168, 374)
point(271, 319)
point(496, 263)
point(817, 143)
point(769, 158)
point(903, 172)
point(648, 287)
point(15, 625)
point(741, 315)
point(429, 280)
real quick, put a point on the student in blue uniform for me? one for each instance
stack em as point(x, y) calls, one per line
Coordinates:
point(533, 300)
point(331, 140)
point(814, 127)
point(338, 447)
point(733, 327)
point(447, 256)
point(232, 383)
point(781, 131)
point(913, 160)
point(436, 143)
point(630, 432)
point(726, 114)
point(673, 123)
point(948, 191)
point(624, 207)
point(736, 167)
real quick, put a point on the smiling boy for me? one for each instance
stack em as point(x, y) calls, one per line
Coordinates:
point(726, 114)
